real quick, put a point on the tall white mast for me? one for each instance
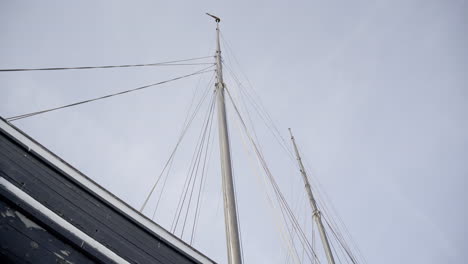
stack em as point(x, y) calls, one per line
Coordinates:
point(315, 211)
point(230, 213)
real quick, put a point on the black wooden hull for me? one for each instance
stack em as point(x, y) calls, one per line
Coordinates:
point(49, 216)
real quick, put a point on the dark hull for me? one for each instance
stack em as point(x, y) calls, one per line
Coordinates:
point(32, 233)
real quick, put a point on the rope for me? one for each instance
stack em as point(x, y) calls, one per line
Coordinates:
point(166, 63)
point(342, 244)
point(202, 181)
point(192, 168)
point(289, 246)
point(188, 119)
point(174, 151)
point(14, 118)
point(334, 227)
point(262, 108)
point(281, 198)
point(209, 122)
point(262, 113)
point(282, 201)
point(186, 180)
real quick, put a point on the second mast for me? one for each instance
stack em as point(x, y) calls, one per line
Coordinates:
point(313, 204)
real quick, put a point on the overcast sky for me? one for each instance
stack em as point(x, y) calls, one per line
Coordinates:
point(376, 93)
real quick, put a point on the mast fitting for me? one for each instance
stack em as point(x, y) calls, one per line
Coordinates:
point(217, 19)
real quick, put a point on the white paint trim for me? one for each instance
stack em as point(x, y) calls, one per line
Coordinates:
point(101, 192)
point(60, 221)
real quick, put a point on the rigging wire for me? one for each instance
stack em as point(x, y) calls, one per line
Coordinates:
point(202, 185)
point(192, 174)
point(290, 242)
point(343, 246)
point(203, 175)
point(262, 113)
point(266, 118)
point(243, 94)
point(290, 231)
point(337, 256)
point(188, 118)
point(332, 224)
point(162, 188)
point(185, 183)
point(280, 227)
point(260, 107)
point(209, 123)
point(166, 63)
point(289, 212)
point(298, 205)
point(203, 180)
point(339, 236)
point(193, 165)
point(203, 192)
point(283, 215)
point(174, 151)
point(14, 118)
point(280, 196)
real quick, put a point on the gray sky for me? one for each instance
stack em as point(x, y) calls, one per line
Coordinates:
point(376, 93)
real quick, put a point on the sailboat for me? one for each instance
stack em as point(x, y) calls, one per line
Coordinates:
point(51, 212)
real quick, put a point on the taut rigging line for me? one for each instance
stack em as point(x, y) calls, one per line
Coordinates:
point(165, 63)
point(14, 118)
point(283, 204)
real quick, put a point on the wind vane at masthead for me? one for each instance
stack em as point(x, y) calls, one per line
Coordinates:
point(215, 17)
